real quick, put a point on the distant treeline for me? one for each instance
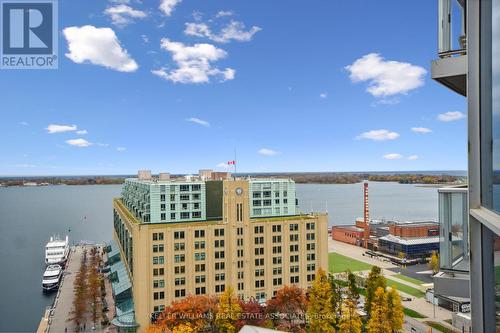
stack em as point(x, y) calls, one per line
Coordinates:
point(62, 181)
point(353, 178)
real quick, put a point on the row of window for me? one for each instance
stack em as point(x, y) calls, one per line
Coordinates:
point(267, 194)
point(183, 215)
point(183, 206)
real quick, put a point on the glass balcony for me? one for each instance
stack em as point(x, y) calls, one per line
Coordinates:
point(451, 28)
point(453, 220)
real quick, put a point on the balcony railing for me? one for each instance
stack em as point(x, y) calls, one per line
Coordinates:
point(451, 28)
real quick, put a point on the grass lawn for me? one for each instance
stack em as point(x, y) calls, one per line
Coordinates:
point(409, 279)
point(406, 289)
point(439, 327)
point(413, 314)
point(338, 263)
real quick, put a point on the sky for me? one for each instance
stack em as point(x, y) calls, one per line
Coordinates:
point(181, 85)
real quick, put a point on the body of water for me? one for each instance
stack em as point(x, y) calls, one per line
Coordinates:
point(30, 215)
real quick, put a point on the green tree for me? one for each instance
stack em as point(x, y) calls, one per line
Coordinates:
point(229, 312)
point(352, 288)
point(374, 281)
point(319, 311)
point(336, 298)
point(350, 322)
point(395, 313)
point(378, 322)
point(434, 262)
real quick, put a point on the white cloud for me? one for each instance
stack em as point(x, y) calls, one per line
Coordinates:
point(145, 38)
point(413, 157)
point(421, 130)
point(267, 152)
point(378, 135)
point(100, 144)
point(223, 165)
point(451, 116)
point(199, 121)
point(223, 13)
point(168, 6)
point(99, 46)
point(82, 132)
point(386, 78)
point(121, 149)
point(323, 95)
point(78, 142)
point(53, 128)
point(122, 15)
point(393, 156)
point(194, 63)
point(24, 123)
point(234, 30)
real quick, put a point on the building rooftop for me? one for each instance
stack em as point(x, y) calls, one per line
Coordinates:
point(410, 241)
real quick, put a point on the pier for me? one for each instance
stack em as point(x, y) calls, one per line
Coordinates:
point(57, 317)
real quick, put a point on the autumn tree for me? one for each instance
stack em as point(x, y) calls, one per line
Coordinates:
point(252, 314)
point(378, 322)
point(288, 309)
point(80, 295)
point(434, 262)
point(374, 281)
point(350, 321)
point(229, 312)
point(195, 311)
point(395, 313)
point(320, 311)
point(184, 328)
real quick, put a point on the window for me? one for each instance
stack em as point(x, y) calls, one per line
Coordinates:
point(294, 238)
point(196, 196)
point(199, 256)
point(219, 232)
point(266, 203)
point(184, 215)
point(277, 282)
point(259, 229)
point(219, 266)
point(199, 245)
point(259, 272)
point(277, 260)
point(259, 284)
point(259, 251)
point(219, 243)
point(276, 239)
point(184, 197)
point(199, 268)
point(199, 233)
point(257, 203)
point(277, 271)
point(184, 188)
point(276, 249)
point(259, 240)
point(180, 281)
point(219, 254)
point(294, 258)
point(259, 262)
point(179, 246)
point(180, 293)
point(294, 248)
point(220, 277)
point(172, 216)
point(180, 269)
point(311, 256)
point(162, 197)
point(294, 227)
point(220, 288)
point(200, 291)
point(179, 235)
point(158, 271)
point(172, 206)
point(277, 228)
point(311, 246)
point(310, 226)
point(294, 279)
point(196, 215)
point(310, 236)
point(196, 187)
point(199, 279)
point(179, 258)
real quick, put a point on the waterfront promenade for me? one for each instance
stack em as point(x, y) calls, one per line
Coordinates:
point(57, 321)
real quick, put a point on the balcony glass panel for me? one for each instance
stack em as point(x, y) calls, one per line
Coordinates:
point(453, 217)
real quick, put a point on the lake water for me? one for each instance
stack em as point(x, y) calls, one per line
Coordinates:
point(30, 215)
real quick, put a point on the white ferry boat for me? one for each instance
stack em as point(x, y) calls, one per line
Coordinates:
point(56, 251)
point(51, 278)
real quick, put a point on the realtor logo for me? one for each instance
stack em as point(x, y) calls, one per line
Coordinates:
point(28, 34)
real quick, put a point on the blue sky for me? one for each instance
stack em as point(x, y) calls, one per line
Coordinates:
point(176, 86)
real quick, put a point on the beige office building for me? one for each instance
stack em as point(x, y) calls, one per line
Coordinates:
point(196, 237)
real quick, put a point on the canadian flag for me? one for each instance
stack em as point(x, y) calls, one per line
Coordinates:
point(231, 162)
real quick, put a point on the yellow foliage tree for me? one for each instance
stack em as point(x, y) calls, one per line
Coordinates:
point(184, 328)
point(395, 313)
point(320, 312)
point(434, 262)
point(229, 312)
point(379, 322)
point(350, 322)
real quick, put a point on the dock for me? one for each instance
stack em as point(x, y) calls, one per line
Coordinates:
point(56, 318)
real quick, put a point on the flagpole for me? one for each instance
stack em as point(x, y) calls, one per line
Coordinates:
point(234, 163)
